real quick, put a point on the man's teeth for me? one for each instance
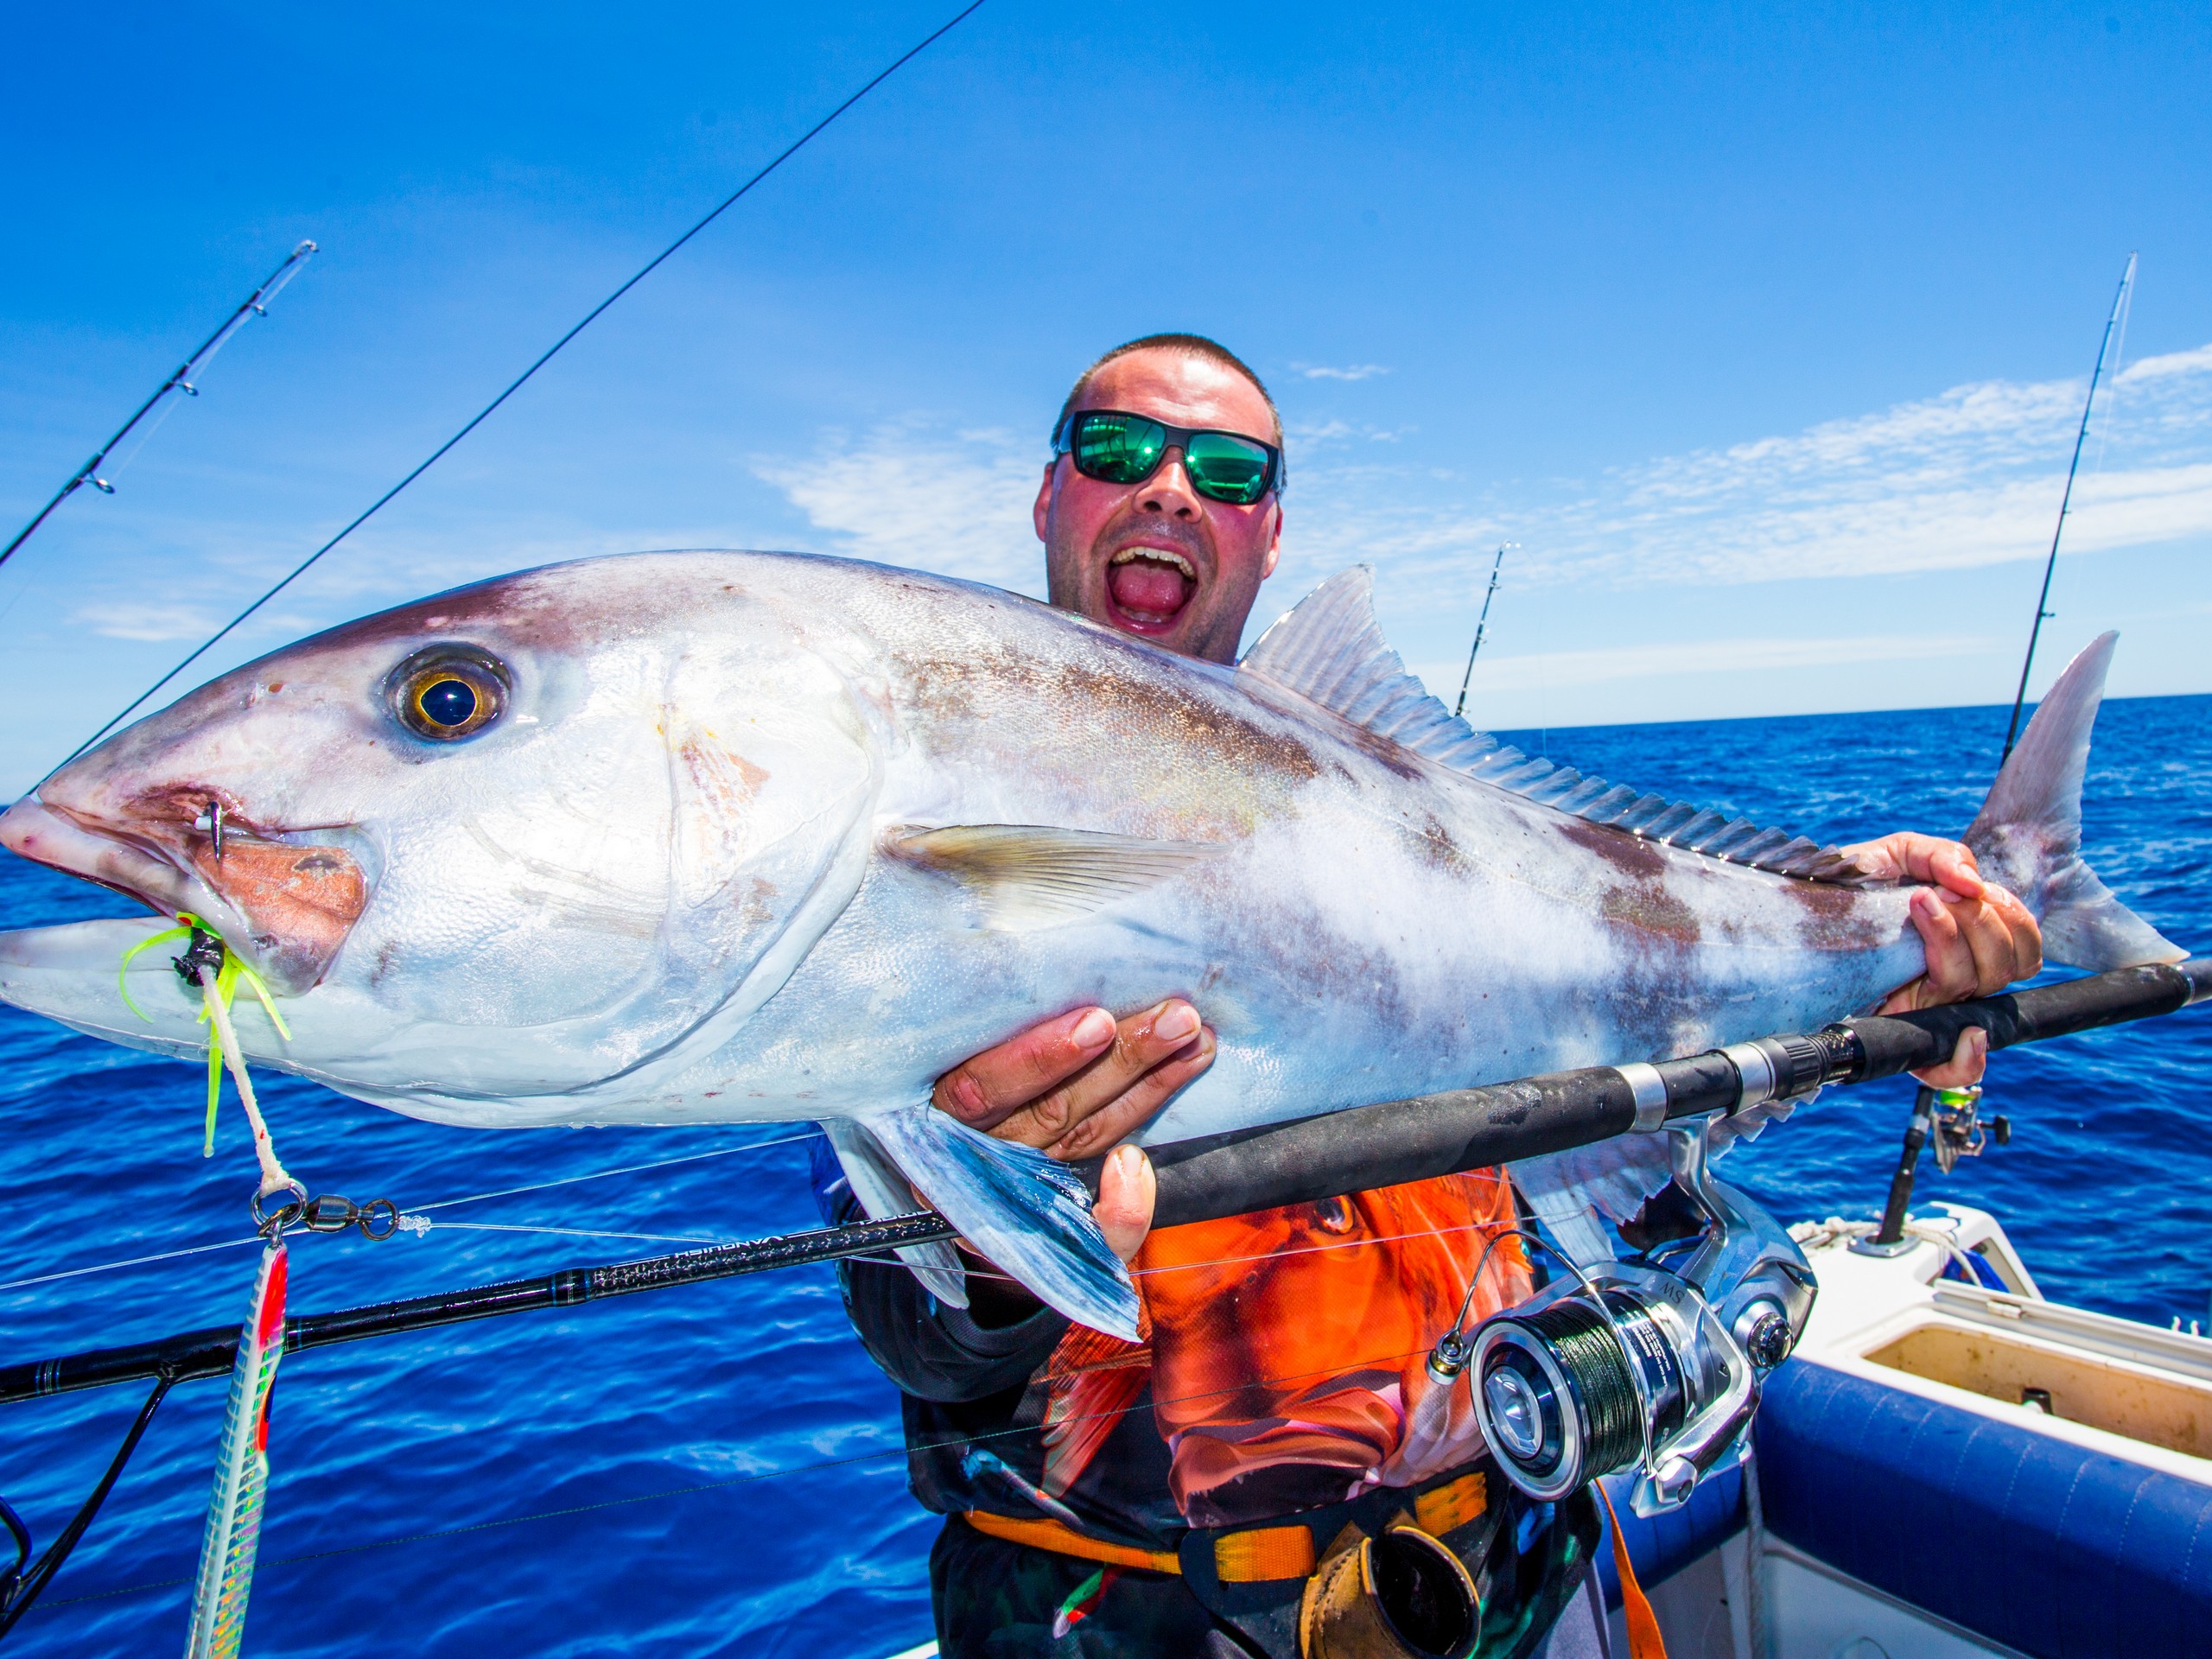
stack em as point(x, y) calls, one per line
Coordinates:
point(1158, 556)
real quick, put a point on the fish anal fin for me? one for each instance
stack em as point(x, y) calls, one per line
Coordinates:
point(1028, 1214)
point(883, 1191)
point(1030, 876)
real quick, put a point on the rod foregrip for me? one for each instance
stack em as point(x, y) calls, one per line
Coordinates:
point(1365, 1147)
point(1369, 1147)
point(1890, 1043)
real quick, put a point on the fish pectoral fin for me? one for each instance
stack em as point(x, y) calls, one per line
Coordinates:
point(883, 1191)
point(1027, 1213)
point(1032, 876)
point(1570, 1190)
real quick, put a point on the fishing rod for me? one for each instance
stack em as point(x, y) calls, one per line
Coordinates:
point(1929, 1103)
point(1482, 626)
point(1306, 1161)
point(2118, 320)
point(522, 379)
point(255, 304)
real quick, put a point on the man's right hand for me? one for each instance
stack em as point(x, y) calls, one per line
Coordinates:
point(1080, 1083)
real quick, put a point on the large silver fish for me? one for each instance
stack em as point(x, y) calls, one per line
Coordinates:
point(681, 838)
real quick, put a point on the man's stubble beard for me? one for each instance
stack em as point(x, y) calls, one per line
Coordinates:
point(1204, 628)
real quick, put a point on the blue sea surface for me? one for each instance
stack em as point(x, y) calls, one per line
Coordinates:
point(716, 1468)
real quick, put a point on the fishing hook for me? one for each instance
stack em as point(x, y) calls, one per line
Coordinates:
point(211, 820)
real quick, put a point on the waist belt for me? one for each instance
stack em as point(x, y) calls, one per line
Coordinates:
point(1250, 1556)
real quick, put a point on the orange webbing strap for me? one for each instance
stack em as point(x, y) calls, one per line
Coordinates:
point(1066, 1540)
point(1644, 1641)
point(1451, 1506)
point(1264, 1554)
point(1255, 1555)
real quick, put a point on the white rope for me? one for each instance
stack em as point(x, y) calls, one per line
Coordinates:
point(1815, 1234)
point(273, 1176)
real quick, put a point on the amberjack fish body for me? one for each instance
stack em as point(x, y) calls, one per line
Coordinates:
point(730, 836)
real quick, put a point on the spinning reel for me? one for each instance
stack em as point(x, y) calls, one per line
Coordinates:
point(1633, 1364)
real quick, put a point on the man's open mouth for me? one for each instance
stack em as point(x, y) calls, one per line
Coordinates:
point(1150, 586)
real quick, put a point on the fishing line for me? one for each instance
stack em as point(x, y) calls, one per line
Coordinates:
point(572, 1232)
point(441, 1204)
point(517, 383)
point(1226, 1260)
point(625, 1169)
point(132, 1261)
point(576, 1232)
point(899, 1451)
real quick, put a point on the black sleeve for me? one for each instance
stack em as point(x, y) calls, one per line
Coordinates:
point(935, 1352)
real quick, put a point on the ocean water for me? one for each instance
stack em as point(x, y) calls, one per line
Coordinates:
point(716, 1468)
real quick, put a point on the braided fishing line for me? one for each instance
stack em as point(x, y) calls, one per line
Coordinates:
point(1590, 1353)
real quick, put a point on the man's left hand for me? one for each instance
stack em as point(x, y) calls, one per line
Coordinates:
point(1978, 938)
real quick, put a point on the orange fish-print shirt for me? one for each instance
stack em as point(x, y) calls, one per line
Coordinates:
point(1287, 1351)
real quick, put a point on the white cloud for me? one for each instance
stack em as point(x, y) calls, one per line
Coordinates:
point(1971, 476)
point(1354, 371)
point(1968, 477)
point(1558, 669)
point(961, 508)
point(132, 621)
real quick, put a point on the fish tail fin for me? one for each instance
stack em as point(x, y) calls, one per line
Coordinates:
point(1027, 1213)
point(2028, 834)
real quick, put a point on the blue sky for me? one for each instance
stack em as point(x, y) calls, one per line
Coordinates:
point(1764, 336)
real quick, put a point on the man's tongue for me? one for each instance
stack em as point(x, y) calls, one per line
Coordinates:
point(1147, 589)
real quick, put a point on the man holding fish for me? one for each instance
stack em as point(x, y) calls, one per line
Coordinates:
point(1179, 1494)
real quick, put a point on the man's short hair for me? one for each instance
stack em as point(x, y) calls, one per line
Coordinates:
point(1190, 345)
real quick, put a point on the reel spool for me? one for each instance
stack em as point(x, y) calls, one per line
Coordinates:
point(1557, 1401)
point(1633, 1365)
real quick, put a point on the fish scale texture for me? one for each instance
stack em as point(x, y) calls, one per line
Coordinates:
point(2059, 1552)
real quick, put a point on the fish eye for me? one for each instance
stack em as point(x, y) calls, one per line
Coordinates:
point(449, 692)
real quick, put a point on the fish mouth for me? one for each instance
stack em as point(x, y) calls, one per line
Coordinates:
point(1148, 586)
point(285, 901)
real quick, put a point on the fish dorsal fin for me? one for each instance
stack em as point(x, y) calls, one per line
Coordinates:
point(1330, 650)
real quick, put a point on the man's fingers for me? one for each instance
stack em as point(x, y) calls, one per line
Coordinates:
point(1948, 864)
point(982, 1092)
point(1968, 1062)
point(1140, 1042)
point(1119, 1119)
point(1126, 1189)
point(2027, 933)
point(1950, 973)
point(1991, 935)
point(1951, 865)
